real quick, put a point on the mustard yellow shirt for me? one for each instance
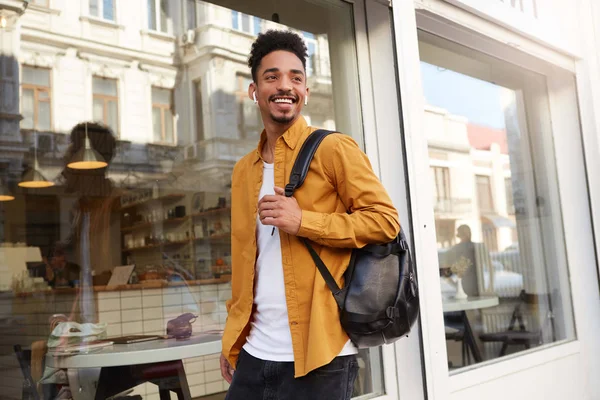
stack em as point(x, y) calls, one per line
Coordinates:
point(344, 206)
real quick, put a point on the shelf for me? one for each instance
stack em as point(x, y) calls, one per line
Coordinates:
point(146, 225)
point(154, 246)
point(167, 197)
point(211, 212)
point(224, 238)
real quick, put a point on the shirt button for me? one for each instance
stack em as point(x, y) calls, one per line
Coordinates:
point(294, 323)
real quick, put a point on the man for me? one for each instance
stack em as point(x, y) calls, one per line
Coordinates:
point(283, 336)
point(59, 271)
point(474, 254)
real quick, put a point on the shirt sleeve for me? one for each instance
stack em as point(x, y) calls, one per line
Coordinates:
point(371, 217)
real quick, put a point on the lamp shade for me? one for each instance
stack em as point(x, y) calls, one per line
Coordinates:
point(34, 178)
point(5, 194)
point(87, 158)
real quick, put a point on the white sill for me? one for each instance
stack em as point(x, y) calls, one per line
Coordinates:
point(158, 35)
point(491, 370)
point(102, 22)
point(43, 9)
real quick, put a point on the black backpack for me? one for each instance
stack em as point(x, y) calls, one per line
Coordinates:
point(379, 301)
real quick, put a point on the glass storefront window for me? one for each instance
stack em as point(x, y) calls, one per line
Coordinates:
point(130, 247)
point(498, 218)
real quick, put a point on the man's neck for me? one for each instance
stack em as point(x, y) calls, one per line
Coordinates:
point(274, 130)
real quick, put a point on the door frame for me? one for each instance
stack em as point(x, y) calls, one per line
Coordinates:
point(442, 19)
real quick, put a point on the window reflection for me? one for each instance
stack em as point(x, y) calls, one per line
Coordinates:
point(137, 244)
point(500, 249)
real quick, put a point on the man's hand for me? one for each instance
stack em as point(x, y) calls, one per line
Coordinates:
point(280, 211)
point(226, 370)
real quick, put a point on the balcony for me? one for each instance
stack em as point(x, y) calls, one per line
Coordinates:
point(449, 207)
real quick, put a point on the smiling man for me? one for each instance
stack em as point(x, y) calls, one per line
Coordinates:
point(283, 334)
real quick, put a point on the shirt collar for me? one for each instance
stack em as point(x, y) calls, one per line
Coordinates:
point(290, 137)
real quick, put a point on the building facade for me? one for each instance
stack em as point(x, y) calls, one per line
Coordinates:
point(478, 116)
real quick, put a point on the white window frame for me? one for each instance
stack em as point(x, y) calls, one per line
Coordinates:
point(101, 11)
point(157, 21)
point(402, 366)
point(442, 19)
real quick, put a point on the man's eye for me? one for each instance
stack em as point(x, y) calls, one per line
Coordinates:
point(271, 77)
point(298, 79)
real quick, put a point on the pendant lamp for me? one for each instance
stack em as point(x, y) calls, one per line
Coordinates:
point(34, 178)
point(5, 194)
point(87, 157)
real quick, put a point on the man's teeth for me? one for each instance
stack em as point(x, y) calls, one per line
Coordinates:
point(289, 101)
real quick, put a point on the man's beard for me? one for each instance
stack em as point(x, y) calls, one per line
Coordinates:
point(283, 120)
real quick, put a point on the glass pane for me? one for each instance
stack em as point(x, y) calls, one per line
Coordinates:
point(158, 219)
point(27, 108)
point(98, 109)
point(104, 86)
point(43, 123)
point(36, 76)
point(168, 126)
point(157, 124)
point(502, 257)
point(152, 15)
point(246, 23)
point(234, 20)
point(161, 96)
point(108, 9)
point(256, 25)
point(191, 14)
point(164, 15)
point(112, 118)
point(94, 8)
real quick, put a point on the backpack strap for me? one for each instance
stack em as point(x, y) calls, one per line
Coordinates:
point(297, 176)
point(302, 163)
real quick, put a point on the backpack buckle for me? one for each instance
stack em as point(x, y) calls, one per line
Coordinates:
point(289, 189)
point(392, 312)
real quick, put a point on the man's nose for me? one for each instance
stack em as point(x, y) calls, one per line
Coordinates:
point(285, 84)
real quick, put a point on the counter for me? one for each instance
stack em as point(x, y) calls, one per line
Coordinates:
point(128, 309)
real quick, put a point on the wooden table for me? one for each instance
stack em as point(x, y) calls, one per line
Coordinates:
point(462, 306)
point(124, 366)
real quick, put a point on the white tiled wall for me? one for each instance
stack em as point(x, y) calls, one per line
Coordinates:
point(148, 311)
point(126, 312)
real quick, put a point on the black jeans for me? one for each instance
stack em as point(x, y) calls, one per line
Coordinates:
point(256, 379)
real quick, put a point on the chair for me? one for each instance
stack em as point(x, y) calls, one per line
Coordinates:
point(458, 335)
point(29, 386)
point(521, 336)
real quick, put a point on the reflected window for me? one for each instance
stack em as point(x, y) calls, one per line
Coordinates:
point(503, 262)
point(158, 15)
point(484, 194)
point(191, 14)
point(106, 102)
point(104, 9)
point(311, 47)
point(36, 98)
point(162, 115)
point(248, 115)
point(245, 23)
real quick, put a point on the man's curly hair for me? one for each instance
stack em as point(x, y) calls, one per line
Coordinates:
point(273, 40)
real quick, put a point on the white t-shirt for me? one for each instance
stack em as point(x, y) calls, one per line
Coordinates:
point(270, 337)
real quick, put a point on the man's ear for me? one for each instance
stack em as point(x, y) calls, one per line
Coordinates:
point(252, 90)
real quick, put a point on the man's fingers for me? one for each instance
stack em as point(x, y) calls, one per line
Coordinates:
point(269, 198)
point(271, 205)
point(279, 191)
point(269, 213)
